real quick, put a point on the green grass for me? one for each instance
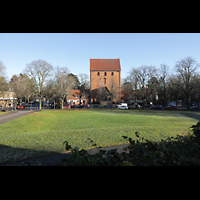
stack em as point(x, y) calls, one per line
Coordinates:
point(43, 132)
point(1, 113)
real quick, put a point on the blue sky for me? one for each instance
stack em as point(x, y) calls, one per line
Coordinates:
point(74, 50)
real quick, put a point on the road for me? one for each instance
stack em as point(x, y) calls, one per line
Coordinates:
point(13, 115)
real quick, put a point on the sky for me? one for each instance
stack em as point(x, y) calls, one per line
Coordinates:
point(74, 50)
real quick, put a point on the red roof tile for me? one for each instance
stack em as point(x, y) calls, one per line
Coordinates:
point(105, 64)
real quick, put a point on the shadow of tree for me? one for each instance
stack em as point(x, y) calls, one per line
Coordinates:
point(15, 156)
point(191, 114)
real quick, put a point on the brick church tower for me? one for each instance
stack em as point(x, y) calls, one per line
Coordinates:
point(105, 80)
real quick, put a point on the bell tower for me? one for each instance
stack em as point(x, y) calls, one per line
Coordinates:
point(105, 73)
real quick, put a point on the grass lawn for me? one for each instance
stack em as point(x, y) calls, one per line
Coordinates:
point(44, 132)
point(1, 113)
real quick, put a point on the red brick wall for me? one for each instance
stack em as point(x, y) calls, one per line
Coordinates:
point(113, 82)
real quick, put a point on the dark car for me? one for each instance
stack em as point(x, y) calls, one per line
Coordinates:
point(80, 106)
point(107, 106)
point(171, 108)
point(94, 106)
point(157, 107)
point(195, 108)
point(57, 106)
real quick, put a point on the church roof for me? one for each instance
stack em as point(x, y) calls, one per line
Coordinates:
point(105, 64)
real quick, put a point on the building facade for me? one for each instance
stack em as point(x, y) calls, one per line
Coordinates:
point(105, 80)
point(6, 98)
point(74, 98)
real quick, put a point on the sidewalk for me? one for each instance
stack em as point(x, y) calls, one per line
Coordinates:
point(13, 115)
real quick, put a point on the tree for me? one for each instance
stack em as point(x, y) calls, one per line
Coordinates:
point(22, 85)
point(3, 81)
point(139, 78)
point(63, 83)
point(17, 87)
point(128, 90)
point(186, 69)
point(163, 83)
point(195, 94)
point(75, 81)
point(153, 89)
point(50, 90)
point(84, 85)
point(39, 71)
point(173, 89)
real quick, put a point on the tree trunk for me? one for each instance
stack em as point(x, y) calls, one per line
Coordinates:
point(188, 101)
point(40, 103)
point(62, 104)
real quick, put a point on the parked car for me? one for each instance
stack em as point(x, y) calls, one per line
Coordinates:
point(66, 106)
point(94, 106)
point(134, 106)
point(195, 108)
point(122, 107)
point(171, 108)
point(157, 107)
point(20, 106)
point(108, 106)
point(123, 104)
point(57, 106)
point(80, 106)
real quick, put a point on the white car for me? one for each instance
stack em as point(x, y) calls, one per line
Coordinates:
point(122, 107)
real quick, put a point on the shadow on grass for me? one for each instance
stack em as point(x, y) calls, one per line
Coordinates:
point(191, 114)
point(15, 156)
point(174, 151)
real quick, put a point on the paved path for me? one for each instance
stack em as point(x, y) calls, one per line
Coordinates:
point(13, 115)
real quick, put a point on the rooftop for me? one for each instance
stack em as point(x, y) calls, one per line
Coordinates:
point(105, 64)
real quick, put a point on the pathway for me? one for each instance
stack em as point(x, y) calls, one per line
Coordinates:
point(13, 115)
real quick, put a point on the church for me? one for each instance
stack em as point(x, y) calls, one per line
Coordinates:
point(105, 81)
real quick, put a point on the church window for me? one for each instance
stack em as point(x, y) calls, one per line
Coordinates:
point(104, 81)
point(112, 74)
point(98, 73)
point(105, 74)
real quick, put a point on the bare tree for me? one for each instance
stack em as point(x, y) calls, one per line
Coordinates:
point(163, 76)
point(17, 87)
point(63, 83)
point(2, 69)
point(50, 90)
point(186, 69)
point(3, 81)
point(173, 90)
point(84, 85)
point(39, 71)
point(139, 78)
point(128, 90)
point(195, 94)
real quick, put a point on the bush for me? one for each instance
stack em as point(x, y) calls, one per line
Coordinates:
point(179, 150)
